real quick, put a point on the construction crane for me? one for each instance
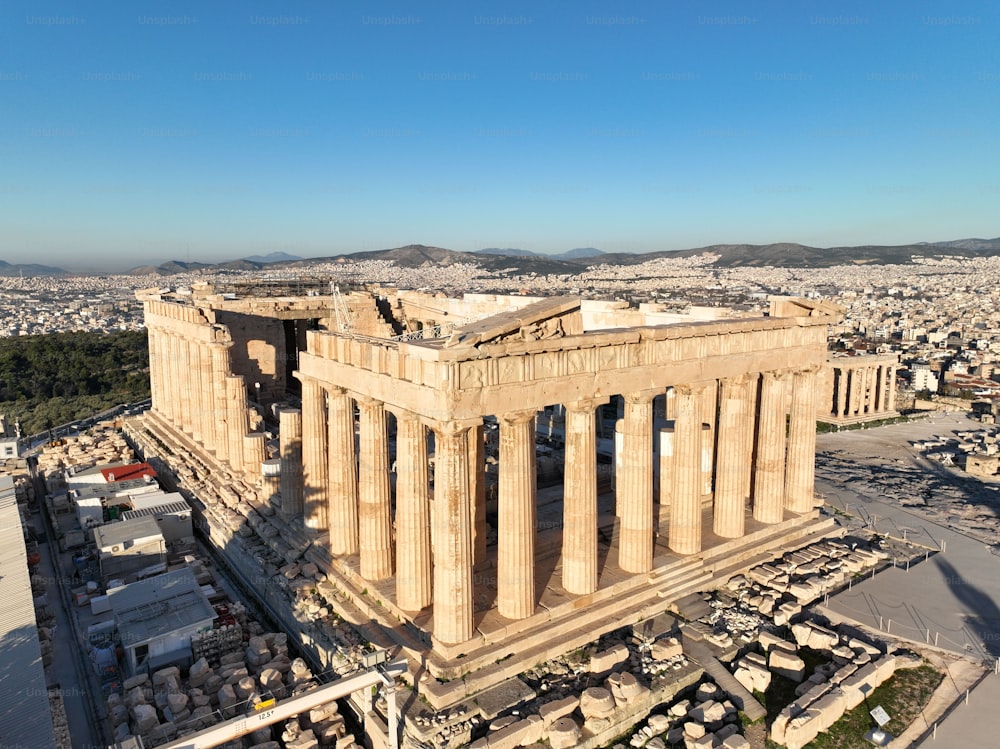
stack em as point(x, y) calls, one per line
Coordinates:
point(270, 711)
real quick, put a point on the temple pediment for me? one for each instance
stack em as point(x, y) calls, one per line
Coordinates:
point(548, 318)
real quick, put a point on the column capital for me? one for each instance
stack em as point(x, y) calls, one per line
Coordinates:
point(455, 427)
point(586, 404)
point(518, 417)
point(640, 397)
point(691, 388)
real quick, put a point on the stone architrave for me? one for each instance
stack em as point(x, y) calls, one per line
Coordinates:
point(315, 461)
point(290, 445)
point(343, 474)
point(801, 456)
point(453, 592)
point(769, 471)
point(374, 499)
point(634, 483)
point(579, 551)
point(735, 420)
point(413, 515)
point(685, 508)
point(516, 518)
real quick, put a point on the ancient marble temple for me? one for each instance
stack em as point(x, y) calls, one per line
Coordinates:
point(408, 447)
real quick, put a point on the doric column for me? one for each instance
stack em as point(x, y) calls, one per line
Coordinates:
point(516, 516)
point(290, 443)
point(878, 389)
point(769, 473)
point(749, 435)
point(237, 424)
point(254, 452)
point(841, 392)
point(374, 502)
point(155, 380)
point(709, 414)
point(685, 507)
point(857, 392)
point(172, 378)
point(194, 389)
point(579, 543)
point(891, 390)
point(801, 460)
point(343, 473)
point(452, 534)
point(731, 465)
point(208, 399)
point(315, 461)
point(184, 365)
point(413, 515)
point(634, 484)
point(477, 493)
point(869, 386)
point(220, 410)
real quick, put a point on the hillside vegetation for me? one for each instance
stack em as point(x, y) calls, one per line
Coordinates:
point(47, 380)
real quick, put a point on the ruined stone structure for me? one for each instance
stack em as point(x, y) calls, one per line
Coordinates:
point(388, 467)
point(856, 389)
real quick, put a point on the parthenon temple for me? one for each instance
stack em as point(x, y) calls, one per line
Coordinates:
point(504, 475)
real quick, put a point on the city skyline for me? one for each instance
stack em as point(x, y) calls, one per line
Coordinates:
point(209, 133)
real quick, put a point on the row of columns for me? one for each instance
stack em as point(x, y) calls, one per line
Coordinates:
point(861, 389)
point(434, 552)
point(214, 413)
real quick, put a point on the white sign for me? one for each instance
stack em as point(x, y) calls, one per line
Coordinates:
point(881, 716)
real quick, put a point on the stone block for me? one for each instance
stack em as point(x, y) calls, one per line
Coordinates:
point(735, 742)
point(132, 682)
point(606, 660)
point(162, 676)
point(199, 672)
point(144, 718)
point(520, 733)
point(787, 664)
point(551, 711)
point(666, 649)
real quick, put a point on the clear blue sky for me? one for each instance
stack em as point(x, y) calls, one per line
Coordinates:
point(137, 131)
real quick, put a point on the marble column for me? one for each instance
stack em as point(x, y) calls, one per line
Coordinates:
point(634, 484)
point(220, 410)
point(666, 488)
point(453, 593)
point(750, 433)
point(343, 474)
point(891, 390)
point(709, 415)
point(516, 518)
point(194, 390)
point(731, 465)
point(579, 543)
point(685, 509)
point(254, 452)
point(177, 378)
point(208, 397)
point(184, 367)
point(290, 443)
point(413, 515)
point(869, 386)
point(477, 493)
point(878, 389)
point(801, 460)
point(237, 424)
point(841, 392)
point(152, 336)
point(374, 498)
point(857, 391)
point(769, 471)
point(315, 461)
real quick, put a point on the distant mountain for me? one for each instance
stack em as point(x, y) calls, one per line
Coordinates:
point(272, 257)
point(29, 269)
point(170, 268)
point(518, 261)
point(506, 251)
point(578, 253)
point(979, 245)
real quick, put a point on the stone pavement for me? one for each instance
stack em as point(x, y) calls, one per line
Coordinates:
point(952, 599)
